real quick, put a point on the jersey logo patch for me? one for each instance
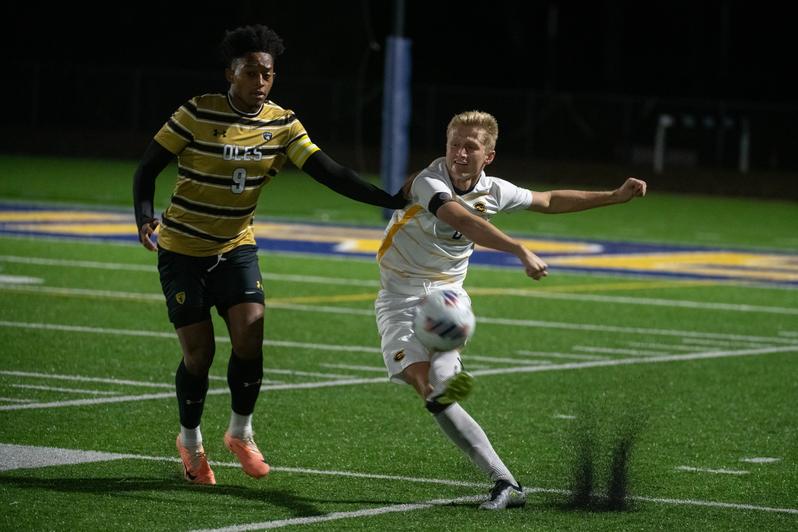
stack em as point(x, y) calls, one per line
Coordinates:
point(180, 297)
point(267, 136)
point(479, 206)
point(399, 356)
point(219, 132)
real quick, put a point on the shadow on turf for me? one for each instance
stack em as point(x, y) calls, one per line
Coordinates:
point(298, 505)
point(586, 470)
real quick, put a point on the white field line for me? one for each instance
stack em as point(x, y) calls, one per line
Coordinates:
point(224, 379)
point(720, 471)
point(648, 301)
point(172, 336)
point(633, 361)
point(722, 343)
point(133, 332)
point(541, 294)
point(307, 373)
point(20, 279)
point(521, 361)
point(761, 460)
point(13, 400)
point(103, 400)
point(355, 367)
point(494, 321)
point(667, 347)
point(618, 351)
point(66, 390)
point(559, 355)
point(152, 268)
point(81, 378)
point(334, 516)
point(118, 266)
point(632, 330)
point(345, 382)
point(477, 485)
point(171, 395)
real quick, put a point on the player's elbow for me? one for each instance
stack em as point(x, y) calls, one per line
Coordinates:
point(541, 202)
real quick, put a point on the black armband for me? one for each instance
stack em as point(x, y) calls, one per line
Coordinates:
point(437, 201)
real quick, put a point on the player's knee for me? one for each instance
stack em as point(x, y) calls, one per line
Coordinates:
point(198, 360)
point(444, 366)
point(248, 348)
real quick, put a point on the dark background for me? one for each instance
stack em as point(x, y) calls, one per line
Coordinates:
point(741, 50)
point(569, 81)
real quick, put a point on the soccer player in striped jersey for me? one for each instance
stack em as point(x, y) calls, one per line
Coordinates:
point(427, 246)
point(228, 146)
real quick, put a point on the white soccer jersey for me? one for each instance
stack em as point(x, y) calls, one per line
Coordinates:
point(419, 251)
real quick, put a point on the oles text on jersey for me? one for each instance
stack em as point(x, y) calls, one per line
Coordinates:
point(231, 152)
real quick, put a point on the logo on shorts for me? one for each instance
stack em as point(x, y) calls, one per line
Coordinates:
point(180, 297)
point(479, 206)
point(258, 285)
point(399, 355)
point(267, 136)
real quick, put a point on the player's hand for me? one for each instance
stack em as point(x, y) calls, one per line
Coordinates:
point(534, 266)
point(630, 189)
point(146, 232)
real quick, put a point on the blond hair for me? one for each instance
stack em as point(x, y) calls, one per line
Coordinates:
point(479, 119)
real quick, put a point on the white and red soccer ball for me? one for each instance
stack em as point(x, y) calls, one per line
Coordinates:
point(444, 321)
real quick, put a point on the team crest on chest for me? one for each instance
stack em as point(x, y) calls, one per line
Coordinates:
point(180, 297)
point(479, 206)
point(267, 136)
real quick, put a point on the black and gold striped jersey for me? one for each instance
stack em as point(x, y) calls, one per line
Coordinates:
point(225, 157)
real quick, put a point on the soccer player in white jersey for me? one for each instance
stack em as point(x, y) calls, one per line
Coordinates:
point(427, 246)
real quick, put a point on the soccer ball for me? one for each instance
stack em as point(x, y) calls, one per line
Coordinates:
point(444, 321)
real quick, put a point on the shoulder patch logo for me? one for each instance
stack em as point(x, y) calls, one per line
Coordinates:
point(479, 206)
point(267, 136)
point(399, 356)
point(180, 297)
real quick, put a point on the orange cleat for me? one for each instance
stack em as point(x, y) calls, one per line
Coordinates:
point(248, 454)
point(195, 464)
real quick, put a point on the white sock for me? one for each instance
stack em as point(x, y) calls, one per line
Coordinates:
point(190, 437)
point(472, 440)
point(240, 426)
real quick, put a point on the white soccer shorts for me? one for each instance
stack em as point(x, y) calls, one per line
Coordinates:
point(400, 347)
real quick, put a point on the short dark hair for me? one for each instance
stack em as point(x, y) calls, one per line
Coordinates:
point(246, 39)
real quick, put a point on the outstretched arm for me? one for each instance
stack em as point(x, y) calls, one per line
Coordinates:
point(346, 182)
point(154, 160)
point(486, 234)
point(558, 201)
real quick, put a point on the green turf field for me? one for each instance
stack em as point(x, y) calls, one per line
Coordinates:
point(702, 375)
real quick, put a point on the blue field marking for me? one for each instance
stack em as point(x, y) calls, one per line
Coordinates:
point(583, 256)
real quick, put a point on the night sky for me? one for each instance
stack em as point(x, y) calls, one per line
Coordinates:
point(732, 50)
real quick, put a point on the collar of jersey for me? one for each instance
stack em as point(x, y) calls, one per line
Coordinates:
point(239, 111)
point(464, 192)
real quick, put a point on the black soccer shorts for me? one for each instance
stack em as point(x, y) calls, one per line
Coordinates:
point(192, 285)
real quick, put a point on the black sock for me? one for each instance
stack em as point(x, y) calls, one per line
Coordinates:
point(244, 378)
point(191, 392)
